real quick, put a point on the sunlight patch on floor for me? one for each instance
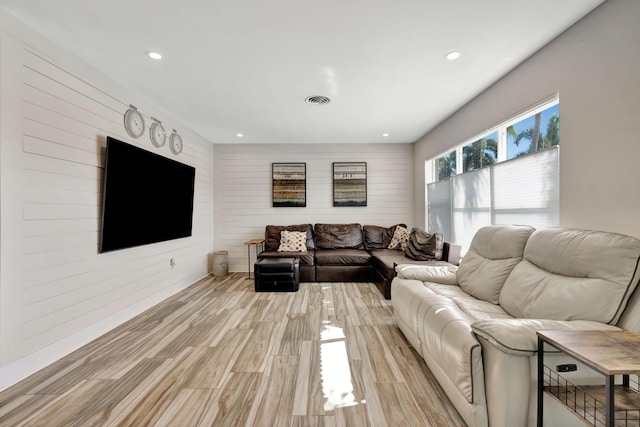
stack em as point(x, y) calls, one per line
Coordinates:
point(335, 372)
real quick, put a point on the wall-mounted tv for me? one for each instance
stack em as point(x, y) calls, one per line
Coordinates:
point(147, 198)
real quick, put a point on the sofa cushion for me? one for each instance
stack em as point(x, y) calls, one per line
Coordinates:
point(570, 274)
point(444, 274)
point(306, 258)
point(339, 236)
point(376, 237)
point(293, 241)
point(272, 235)
point(342, 257)
point(423, 246)
point(385, 261)
point(494, 252)
point(476, 309)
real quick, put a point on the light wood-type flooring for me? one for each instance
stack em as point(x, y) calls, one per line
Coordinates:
point(220, 354)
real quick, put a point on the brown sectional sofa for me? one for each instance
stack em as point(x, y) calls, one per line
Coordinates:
point(349, 253)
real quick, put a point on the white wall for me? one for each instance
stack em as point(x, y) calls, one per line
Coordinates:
point(56, 292)
point(595, 66)
point(243, 204)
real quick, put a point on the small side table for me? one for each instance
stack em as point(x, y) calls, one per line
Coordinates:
point(258, 244)
point(610, 353)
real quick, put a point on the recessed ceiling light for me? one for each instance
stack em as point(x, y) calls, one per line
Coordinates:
point(385, 134)
point(154, 55)
point(239, 135)
point(452, 56)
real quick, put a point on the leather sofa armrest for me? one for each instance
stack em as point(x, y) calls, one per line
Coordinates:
point(445, 274)
point(451, 253)
point(518, 336)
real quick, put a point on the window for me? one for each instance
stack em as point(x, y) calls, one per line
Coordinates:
point(480, 153)
point(499, 178)
point(543, 126)
point(446, 166)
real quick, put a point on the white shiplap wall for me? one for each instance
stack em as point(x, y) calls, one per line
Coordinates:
point(243, 205)
point(56, 291)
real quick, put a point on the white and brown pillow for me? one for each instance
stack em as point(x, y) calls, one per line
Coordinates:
point(293, 241)
point(400, 238)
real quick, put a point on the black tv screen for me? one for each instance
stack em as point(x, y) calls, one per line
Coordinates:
point(147, 198)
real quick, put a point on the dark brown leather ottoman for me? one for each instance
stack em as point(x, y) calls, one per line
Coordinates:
point(277, 274)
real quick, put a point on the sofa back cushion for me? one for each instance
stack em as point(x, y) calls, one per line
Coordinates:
point(376, 237)
point(495, 250)
point(272, 235)
point(569, 274)
point(339, 236)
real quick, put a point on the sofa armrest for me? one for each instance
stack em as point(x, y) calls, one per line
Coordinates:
point(518, 336)
point(451, 253)
point(445, 274)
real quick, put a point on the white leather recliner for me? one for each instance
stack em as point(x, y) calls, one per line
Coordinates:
point(475, 325)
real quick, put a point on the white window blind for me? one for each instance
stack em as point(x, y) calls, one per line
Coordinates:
point(522, 191)
point(471, 195)
point(526, 190)
point(439, 208)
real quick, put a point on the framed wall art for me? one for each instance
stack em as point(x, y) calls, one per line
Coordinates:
point(349, 184)
point(289, 185)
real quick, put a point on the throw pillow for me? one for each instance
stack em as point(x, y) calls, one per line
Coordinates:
point(399, 239)
point(423, 246)
point(293, 241)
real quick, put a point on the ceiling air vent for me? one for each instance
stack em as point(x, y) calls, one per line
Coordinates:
point(318, 100)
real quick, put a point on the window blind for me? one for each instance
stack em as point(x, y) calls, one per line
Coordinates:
point(439, 208)
point(524, 191)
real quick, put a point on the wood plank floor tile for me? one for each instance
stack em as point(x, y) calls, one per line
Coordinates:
point(424, 387)
point(153, 397)
point(276, 403)
point(304, 379)
point(255, 312)
point(278, 307)
point(256, 349)
point(372, 405)
point(220, 354)
point(383, 365)
point(296, 331)
point(86, 397)
point(399, 407)
point(215, 365)
point(189, 408)
point(36, 381)
point(232, 405)
point(313, 421)
point(13, 413)
point(81, 369)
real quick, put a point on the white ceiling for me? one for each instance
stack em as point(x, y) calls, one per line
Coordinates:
point(246, 66)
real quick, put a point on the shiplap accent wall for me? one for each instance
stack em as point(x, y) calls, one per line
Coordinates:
point(57, 292)
point(243, 204)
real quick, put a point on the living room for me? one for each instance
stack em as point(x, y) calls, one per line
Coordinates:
point(57, 293)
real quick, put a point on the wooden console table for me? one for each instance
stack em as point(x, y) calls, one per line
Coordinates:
point(610, 353)
point(257, 243)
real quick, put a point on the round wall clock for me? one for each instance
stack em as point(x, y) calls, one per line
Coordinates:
point(175, 143)
point(157, 134)
point(134, 123)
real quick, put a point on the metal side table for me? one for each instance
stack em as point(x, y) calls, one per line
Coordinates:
point(259, 245)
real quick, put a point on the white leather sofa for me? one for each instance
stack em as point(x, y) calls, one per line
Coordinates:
point(475, 325)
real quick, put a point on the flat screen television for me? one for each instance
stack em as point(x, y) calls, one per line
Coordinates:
point(147, 198)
